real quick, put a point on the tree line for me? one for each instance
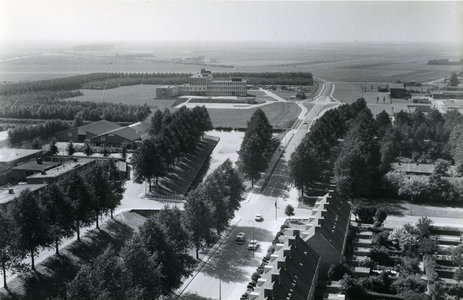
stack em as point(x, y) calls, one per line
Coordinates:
point(113, 80)
point(50, 105)
point(35, 222)
point(171, 137)
point(32, 136)
point(360, 149)
point(154, 261)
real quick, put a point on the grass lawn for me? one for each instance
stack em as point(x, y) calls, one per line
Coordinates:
point(135, 94)
point(279, 114)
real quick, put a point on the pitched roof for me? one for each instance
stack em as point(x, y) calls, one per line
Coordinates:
point(98, 127)
point(292, 273)
point(140, 126)
point(124, 132)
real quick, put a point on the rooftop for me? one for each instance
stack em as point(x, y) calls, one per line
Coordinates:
point(98, 127)
point(6, 196)
point(61, 169)
point(34, 166)
point(9, 154)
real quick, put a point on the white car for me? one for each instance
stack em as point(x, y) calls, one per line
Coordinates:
point(253, 245)
point(258, 218)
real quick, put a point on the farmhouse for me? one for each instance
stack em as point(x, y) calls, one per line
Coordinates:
point(116, 137)
point(203, 84)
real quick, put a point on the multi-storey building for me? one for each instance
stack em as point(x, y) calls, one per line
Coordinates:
point(203, 84)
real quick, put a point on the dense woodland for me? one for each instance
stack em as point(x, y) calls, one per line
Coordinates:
point(50, 105)
point(360, 150)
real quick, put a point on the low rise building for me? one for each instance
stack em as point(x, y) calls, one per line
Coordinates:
point(82, 133)
point(60, 172)
point(397, 90)
point(10, 158)
point(9, 194)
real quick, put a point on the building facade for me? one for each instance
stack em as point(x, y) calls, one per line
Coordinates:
point(203, 84)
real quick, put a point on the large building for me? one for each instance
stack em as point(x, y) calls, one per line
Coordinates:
point(203, 84)
point(103, 133)
point(80, 134)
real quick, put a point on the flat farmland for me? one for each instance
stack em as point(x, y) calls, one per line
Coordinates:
point(348, 92)
point(281, 114)
point(136, 94)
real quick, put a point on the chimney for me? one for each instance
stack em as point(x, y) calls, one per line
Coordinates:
point(268, 293)
point(39, 160)
point(281, 264)
point(276, 278)
point(292, 241)
point(10, 191)
point(287, 253)
point(296, 232)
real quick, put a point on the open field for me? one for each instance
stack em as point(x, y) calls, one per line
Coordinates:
point(353, 62)
point(135, 94)
point(279, 114)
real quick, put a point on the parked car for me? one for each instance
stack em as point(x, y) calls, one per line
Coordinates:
point(253, 245)
point(240, 238)
point(258, 217)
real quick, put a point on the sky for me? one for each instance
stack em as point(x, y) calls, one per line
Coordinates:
point(274, 21)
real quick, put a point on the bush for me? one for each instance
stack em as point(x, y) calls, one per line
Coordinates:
point(336, 272)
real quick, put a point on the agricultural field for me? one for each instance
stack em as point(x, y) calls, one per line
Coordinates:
point(333, 62)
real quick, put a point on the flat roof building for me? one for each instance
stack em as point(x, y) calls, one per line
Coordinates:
point(9, 194)
point(60, 172)
point(203, 84)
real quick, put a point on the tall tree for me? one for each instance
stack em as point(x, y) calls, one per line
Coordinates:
point(78, 195)
point(11, 256)
point(59, 213)
point(198, 219)
point(70, 148)
point(172, 257)
point(255, 149)
point(156, 123)
point(357, 167)
point(141, 267)
point(147, 162)
point(53, 148)
point(31, 223)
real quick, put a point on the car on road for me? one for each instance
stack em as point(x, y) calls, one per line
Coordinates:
point(240, 238)
point(253, 244)
point(258, 218)
point(305, 122)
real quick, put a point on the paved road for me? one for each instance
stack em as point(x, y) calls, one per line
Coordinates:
point(230, 268)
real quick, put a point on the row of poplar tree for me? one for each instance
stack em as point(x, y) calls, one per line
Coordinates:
point(153, 262)
point(32, 222)
point(171, 137)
